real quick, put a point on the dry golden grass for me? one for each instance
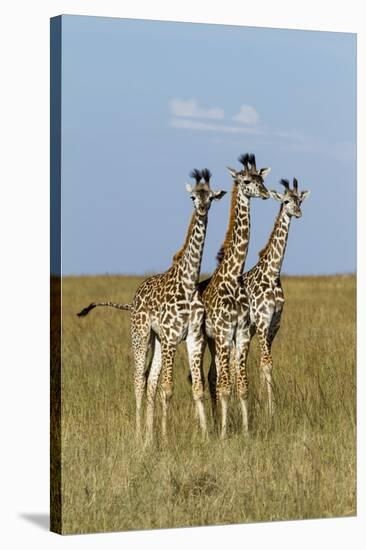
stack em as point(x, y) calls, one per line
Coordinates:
point(301, 466)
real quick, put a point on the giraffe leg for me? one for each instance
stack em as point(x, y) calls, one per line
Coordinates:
point(268, 335)
point(223, 347)
point(242, 349)
point(274, 326)
point(212, 380)
point(196, 348)
point(272, 331)
point(140, 345)
point(167, 359)
point(266, 366)
point(152, 384)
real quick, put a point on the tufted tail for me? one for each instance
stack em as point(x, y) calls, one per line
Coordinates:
point(86, 310)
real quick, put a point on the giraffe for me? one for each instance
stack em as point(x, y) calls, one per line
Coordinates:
point(262, 299)
point(162, 315)
point(222, 311)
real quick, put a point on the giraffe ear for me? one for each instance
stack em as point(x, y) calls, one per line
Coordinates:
point(232, 172)
point(275, 195)
point(217, 195)
point(189, 188)
point(304, 195)
point(263, 172)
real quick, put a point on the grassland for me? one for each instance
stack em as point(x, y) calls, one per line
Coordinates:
point(300, 466)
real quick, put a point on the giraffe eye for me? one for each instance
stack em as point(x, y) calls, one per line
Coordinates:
point(192, 197)
point(286, 201)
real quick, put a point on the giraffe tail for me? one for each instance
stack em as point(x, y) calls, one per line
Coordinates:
point(86, 310)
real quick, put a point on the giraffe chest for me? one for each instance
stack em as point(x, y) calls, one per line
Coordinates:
point(221, 297)
point(222, 311)
point(263, 296)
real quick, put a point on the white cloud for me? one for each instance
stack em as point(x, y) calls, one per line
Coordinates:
point(191, 109)
point(210, 127)
point(246, 115)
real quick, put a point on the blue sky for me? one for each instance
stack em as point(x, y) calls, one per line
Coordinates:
point(145, 102)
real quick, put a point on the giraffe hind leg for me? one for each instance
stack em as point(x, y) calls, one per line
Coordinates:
point(141, 340)
point(212, 381)
point(272, 331)
point(151, 353)
point(274, 326)
point(152, 383)
point(266, 367)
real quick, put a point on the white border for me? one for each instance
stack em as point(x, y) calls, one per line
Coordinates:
point(24, 166)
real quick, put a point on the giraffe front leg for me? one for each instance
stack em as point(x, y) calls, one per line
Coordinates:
point(152, 384)
point(266, 367)
point(167, 359)
point(212, 381)
point(223, 383)
point(195, 349)
point(242, 349)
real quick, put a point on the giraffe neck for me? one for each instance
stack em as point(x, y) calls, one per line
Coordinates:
point(188, 259)
point(273, 253)
point(236, 243)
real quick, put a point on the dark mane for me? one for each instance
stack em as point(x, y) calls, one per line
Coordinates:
point(230, 228)
point(180, 252)
point(267, 246)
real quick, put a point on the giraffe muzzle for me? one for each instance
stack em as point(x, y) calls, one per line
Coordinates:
point(201, 212)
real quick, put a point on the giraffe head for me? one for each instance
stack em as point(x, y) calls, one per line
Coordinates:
point(291, 199)
point(250, 180)
point(201, 194)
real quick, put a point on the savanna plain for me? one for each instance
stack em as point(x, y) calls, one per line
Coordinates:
point(302, 464)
